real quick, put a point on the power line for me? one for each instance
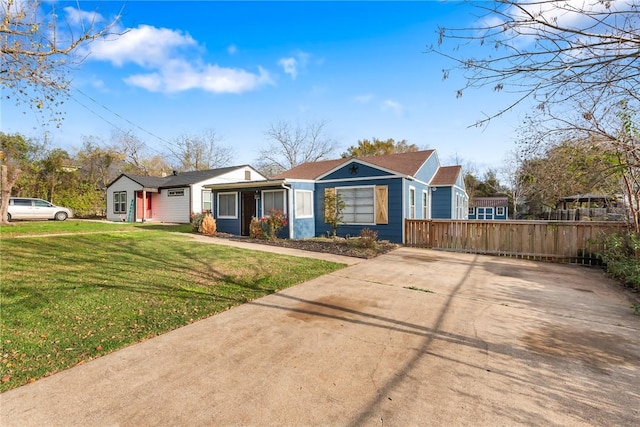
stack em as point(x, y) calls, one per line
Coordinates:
point(119, 116)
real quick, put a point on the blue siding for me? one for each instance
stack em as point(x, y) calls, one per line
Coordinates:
point(391, 231)
point(361, 171)
point(419, 188)
point(429, 169)
point(303, 228)
point(441, 203)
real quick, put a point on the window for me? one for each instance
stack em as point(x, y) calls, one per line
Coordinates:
point(359, 205)
point(227, 205)
point(425, 204)
point(412, 203)
point(472, 210)
point(485, 213)
point(41, 204)
point(207, 201)
point(22, 202)
point(174, 193)
point(272, 199)
point(304, 204)
point(500, 210)
point(120, 202)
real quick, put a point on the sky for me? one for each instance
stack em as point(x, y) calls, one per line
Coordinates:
point(237, 67)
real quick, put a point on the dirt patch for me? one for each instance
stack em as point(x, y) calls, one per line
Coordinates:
point(330, 307)
point(338, 246)
point(593, 348)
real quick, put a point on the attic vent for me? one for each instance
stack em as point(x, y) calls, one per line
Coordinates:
point(247, 175)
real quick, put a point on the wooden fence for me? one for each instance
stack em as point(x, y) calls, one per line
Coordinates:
point(573, 242)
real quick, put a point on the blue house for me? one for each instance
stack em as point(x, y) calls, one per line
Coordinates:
point(489, 208)
point(379, 193)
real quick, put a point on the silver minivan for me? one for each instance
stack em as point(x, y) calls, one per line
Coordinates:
point(29, 208)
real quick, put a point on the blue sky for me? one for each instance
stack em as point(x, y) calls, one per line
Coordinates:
point(236, 67)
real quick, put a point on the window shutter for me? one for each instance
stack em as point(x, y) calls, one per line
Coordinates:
point(327, 192)
point(382, 202)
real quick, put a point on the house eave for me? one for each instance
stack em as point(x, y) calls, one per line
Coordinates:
point(246, 184)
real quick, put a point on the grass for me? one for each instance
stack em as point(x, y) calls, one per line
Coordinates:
point(71, 298)
point(32, 228)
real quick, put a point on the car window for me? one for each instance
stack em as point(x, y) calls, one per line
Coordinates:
point(22, 202)
point(41, 203)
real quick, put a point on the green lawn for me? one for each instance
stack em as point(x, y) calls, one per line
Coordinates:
point(70, 298)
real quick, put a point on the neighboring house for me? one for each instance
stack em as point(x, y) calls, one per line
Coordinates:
point(489, 208)
point(171, 198)
point(380, 192)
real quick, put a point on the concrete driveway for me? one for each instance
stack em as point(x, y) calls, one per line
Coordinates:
point(414, 337)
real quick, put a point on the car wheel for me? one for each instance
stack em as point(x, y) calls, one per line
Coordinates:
point(8, 217)
point(61, 216)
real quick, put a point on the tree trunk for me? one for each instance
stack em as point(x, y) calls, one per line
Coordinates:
point(5, 192)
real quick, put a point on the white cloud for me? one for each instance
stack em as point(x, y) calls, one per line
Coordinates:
point(293, 64)
point(290, 66)
point(181, 76)
point(77, 16)
point(394, 106)
point(364, 98)
point(145, 45)
point(173, 63)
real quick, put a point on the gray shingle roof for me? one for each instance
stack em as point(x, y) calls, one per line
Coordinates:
point(180, 179)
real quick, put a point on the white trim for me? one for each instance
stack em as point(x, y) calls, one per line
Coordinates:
point(426, 207)
point(412, 212)
point(297, 203)
point(235, 194)
point(284, 200)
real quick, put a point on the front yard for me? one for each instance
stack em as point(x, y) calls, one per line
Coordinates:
point(69, 298)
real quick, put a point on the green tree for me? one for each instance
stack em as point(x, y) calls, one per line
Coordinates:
point(377, 147)
point(19, 166)
point(333, 208)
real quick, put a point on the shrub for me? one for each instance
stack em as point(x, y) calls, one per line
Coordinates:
point(275, 222)
point(196, 220)
point(368, 238)
point(208, 225)
point(255, 229)
point(621, 256)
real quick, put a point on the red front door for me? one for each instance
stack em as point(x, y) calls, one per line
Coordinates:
point(143, 210)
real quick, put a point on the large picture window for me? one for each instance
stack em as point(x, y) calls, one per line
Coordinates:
point(228, 205)
point(272, 199)
point(120, 202)
point(359, 205)
point(304, 204)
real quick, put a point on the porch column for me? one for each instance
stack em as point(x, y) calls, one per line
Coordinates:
point(144, 205)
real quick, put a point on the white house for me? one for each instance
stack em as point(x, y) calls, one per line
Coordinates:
point(171, 198)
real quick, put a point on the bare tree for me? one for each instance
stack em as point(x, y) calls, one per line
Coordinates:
point(551, 51)
point(292, 145)
point(37, 45)
point(36, 48)
point(200, 151)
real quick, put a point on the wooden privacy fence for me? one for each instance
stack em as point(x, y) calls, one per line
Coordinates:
point(574, 242)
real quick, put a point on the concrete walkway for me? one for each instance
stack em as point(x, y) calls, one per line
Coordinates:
point(414, 337)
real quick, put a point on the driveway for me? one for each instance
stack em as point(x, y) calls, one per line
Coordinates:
point(414, 337)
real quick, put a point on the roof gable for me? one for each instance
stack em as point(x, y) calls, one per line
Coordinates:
point(402, 163)
point(446, 175)
point(179, 179)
